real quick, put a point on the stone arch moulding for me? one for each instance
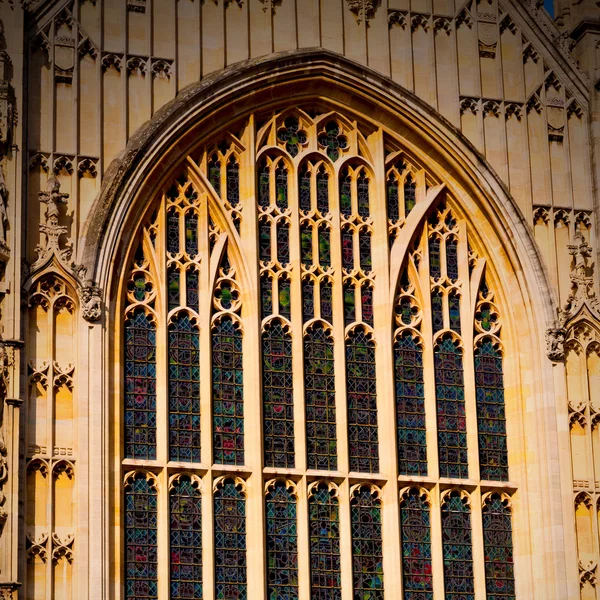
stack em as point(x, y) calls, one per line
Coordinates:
point(155, 153)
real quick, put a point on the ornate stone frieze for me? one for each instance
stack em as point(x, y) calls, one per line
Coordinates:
point(513, 109)
point(137, 65)
point(161, 68)
point(397, 18)
point(40, 160)
point(112, 61)
point(91, 303)
point(419, 22)
point(4, 248)
point(3, 449)
point(63, 163)
point(442, 24)
point(529, 52)
point(87, 166)
point(491, 108)
point(464, 18)
point(555, 343)
point(363, 9)
point(469, 104)
point(138, 6)
point(8, 112)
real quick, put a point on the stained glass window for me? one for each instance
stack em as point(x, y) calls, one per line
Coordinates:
point(332, 140)
point(326, 300)
point(410, 406)
point(392, 199)
point(282, 543)
point(308, 299)
point(306, 250)
point(457, 548)
point(283, 242)
point(491, 418)
point(498, 549)
point(141, 538)
point(349, 303)
point(363, 440)
point(264, 185)
point(191, 234)
point(367, 303)
point(191, 289)
point(291, 135)
point(451, 418)
point(454, 311)
point(437, 311)
point(435, 266)
point(324, 535)
point(174, 287)
point(173, 232)
point(452, 258)
point(345, 193)
point(184, 390)
point(285, 297)
point(319, 392)
point(264, 232)
point(214, 173)
point(347, 249)
point(266, 295)
point(415, 526)
point(185, 514)
point(364, 248)
point(228, 393)
point(367, 547)
point(281, 178)
point(410, 195)
point(230, 541)
point(233, 182)
point(322, 191)
point(324, 246)
point(140, 387)
point(362, 189)
point(278, 396)
point(304, 177)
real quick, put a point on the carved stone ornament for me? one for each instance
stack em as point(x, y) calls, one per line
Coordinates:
point(138, 6)
point(397, 18)
point(555, 343)
point(7, 589)
point(53, 232)
point(3, 449)
point(91, 303)
point(363, 9)
point(4, 248)
point(8, 111)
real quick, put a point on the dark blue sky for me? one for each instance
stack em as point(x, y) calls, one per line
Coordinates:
point(549, 5)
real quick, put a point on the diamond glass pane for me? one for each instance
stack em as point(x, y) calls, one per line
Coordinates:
point(264, 185)
point(410, 195)
point(349, 303)
point(214, 174)
point(454, 311)
point(192, 290)
point(326, 300)
point(364, 249)
point(191, 234)
point(283, 242)
point(304, 178)
point(308, 299)
point(393, 209)
point(322, 192)
point(324, 246)
point(435, 266)
point(348, 250)
point(345, 194)
point(285, 297)
point(452, 259)
point(362, 189)
point(366, 293)
point(266, 295)
point(173, 291)
point(437, 311)
point(264, 233)
point(306, 248)
point(233, 182)
point(281, 183)
point(173, 232)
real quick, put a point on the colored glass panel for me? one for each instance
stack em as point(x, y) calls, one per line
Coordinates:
point(324, 246)
point(230, 542)
point(281, 182)
point(326, 300)
point(347, 250)
point(362, 189)
point(214, 173)
point(319, 394)
point(233, 182)
point(324, 537)
point(332, 140)
point(141, 539)
point(285, 297)
point(304, 177)
point(173, 232)
point(498, 549)
point(278, 397)
point(437, 311)
point(140, 387)
point(454, 311)
point(367, 547)
point(364, 249)
point(410, 406)
point(393, 208)
point(363, 437)
point(264, 186)
point(322, 191)
point(283, 242)
point(191, 234)
point(192, 290)
point(227, 393)
point(366, 292)
point(349, 303)
point(346, 194)
point(491, 417)
point(306, 249)
point(308, 299)
point(291, 135)
point(406, 310)
point(282, 543)
point(185, 515)
point(452, 259)
point(415, 522)
point(410, 195)
point(451, 418)
point(266, 295)
point(184, 390)
point(457, 548)
point(435, 266)
point(264, 232)
point(173, 294)
point(139, 287)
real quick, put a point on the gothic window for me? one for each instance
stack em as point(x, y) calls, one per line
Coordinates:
point(415, 525)
point(326, 289)
point(366, 290)
point(393, 207)
point(363, 438)
point(185, 514)
point(140, 386)
point(349, 303)
point(367, 547)
point(228, 393)
point(322, 191)
point(285, 297)
point(278, 396)
point(184, 389)
point(410, 405)
point(458, 550)
point(282, 540)
point(498, 548)
point(308, 299)
point(319, 390)
point(230, 538)
point(214, 173)
point(410, 189)
point(324, 541)
point(192, 289)
point(324, 247)
point(141, 536)
point(174, 284)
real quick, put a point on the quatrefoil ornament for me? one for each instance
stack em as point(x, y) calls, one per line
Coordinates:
point(292, 135)
point(332, 140)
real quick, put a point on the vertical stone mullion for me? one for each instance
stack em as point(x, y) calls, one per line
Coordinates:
point(478, 545)
point(164, 550)
point(437, 552)
point(346, 541)
point(208, 538)
point(303, 541)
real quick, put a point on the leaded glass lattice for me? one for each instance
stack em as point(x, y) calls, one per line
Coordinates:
point(363, 438)
point(498, 548)
point(491, 418)
point(457, 548)
point(410, 406)
point(228, 393)
point(282, 542)
point(451, 416)
point(308, 299)
point(233, 182)
point(322, 191)
point(393, 209)
point(185, 515)
point(184, 389)
point(140, 387)
point(230, 541)
point(319, 392)
point(326, 300)
point(278, 396)
point(410, 195)
point(324, 543)
point(141, 538)
point(192, 290)
point(415, 524)
point(367, 546)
